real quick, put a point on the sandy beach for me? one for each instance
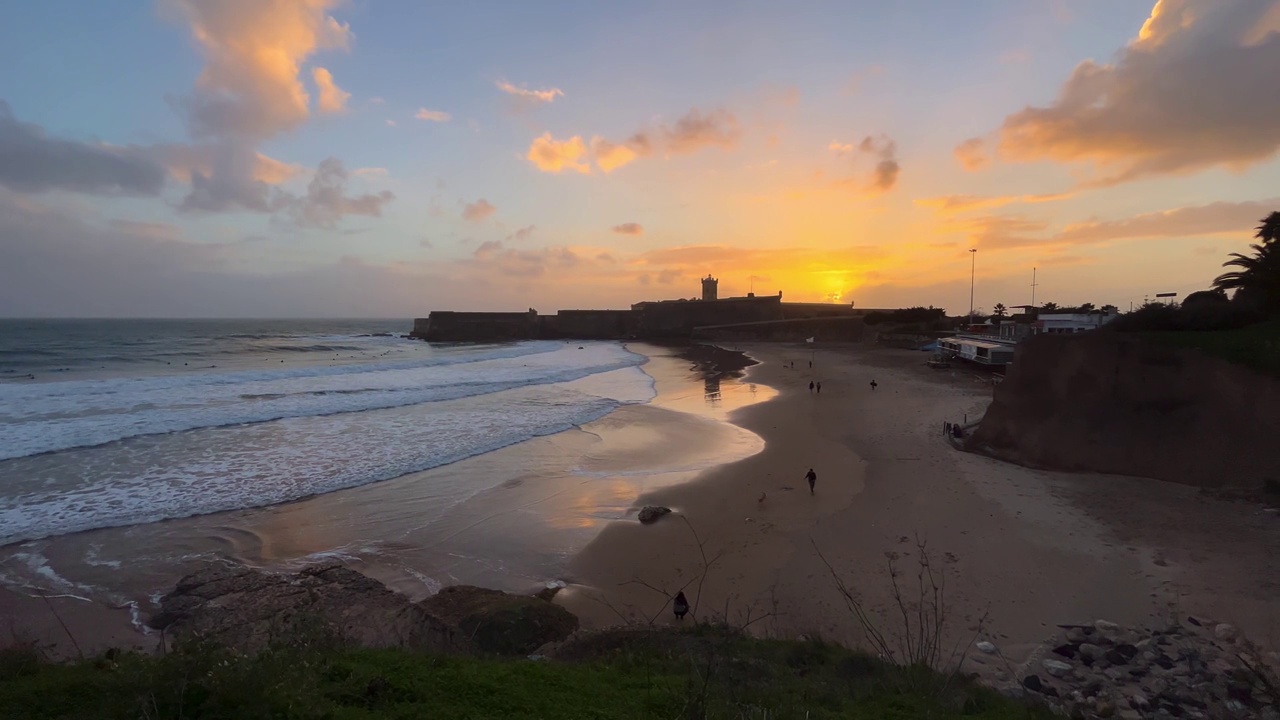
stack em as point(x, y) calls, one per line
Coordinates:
point(1023, 548)
point(528, 509)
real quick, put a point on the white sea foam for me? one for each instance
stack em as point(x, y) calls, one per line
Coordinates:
point(46, 417)
point(434, 415)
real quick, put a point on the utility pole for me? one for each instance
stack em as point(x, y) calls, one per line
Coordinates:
point(1033, 287)
point(973, 265)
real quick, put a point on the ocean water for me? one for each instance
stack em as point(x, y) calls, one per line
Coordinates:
point(116, 423)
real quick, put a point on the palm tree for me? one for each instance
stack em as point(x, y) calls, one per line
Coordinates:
point(999, 310)
point(1049, 306)
point(1257, 275)
point(1269, 230)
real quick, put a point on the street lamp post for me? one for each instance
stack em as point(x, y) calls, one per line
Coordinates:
point(973, 264)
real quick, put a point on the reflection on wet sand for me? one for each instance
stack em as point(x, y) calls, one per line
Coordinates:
point(525, 509)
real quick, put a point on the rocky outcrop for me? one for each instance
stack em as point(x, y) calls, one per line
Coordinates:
point(1197, 669)
point(650, 514)
point(1102, 402)
point(501, 623)
point(249, 609)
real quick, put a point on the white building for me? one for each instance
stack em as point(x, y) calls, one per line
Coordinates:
point(980, 350)
point(1067, 323)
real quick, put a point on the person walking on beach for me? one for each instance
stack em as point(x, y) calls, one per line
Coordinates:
point(873, 386)
point(810, 387)
point(812, 477)
point(680, 606)
point(819, 388)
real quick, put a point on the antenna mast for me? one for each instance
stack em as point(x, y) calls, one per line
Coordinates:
point(1033, 287)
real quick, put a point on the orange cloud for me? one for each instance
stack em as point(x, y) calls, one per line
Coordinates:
point(332, 98)
point(1234, 218)
point(690, 133)
point(536, 97)
point(1220, 218)
point(966, 203)
point(183, 160)
point(611, 156)
point(432, 115)
point(629, 229)
point(972, 154)
point(555, 156)
point(253, 53)
point(1180, 98)
point(478, 211)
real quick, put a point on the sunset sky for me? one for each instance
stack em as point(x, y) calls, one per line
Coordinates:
point(284, 158)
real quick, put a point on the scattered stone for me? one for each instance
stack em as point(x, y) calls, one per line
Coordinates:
point(1115, 674)
point(1225, 632)
point(1067, 650)
point(650, 513)
point(1090, 652)
point(1078, 635)
point(1173, 672)
point(1056, 668)
point(986, 647)
point(1105, 627)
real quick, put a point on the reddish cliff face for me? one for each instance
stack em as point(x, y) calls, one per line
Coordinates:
point(1105, 403)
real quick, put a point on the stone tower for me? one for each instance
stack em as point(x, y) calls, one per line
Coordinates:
point(709, 287)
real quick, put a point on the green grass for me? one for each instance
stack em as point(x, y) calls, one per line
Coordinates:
point(711, 674)
point(1255, 346)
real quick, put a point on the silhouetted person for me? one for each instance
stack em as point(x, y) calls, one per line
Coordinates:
point(873, 386)
point(810, 387)
point(812, 477)
point(680, 605)
point(819, 388)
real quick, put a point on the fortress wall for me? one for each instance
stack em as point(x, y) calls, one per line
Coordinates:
point(681, 317)
point(595, 324)
point(446, 325)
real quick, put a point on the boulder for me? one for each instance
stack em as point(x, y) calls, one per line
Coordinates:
point(986, 647)
point(1225, 632)
point(1056, 668)
point(250, 609)
point(501, 623)
point(651, 513)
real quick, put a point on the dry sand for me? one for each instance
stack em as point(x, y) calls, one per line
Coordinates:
point(1028, 549)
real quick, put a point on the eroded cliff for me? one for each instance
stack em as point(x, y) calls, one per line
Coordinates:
point(1106, 403)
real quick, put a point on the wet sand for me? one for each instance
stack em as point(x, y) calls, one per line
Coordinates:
point(534, 506)
point(1026, 549)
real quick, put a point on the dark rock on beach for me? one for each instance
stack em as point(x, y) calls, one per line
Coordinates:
point(650, 513)
point(499, 622)
point(250, 609)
